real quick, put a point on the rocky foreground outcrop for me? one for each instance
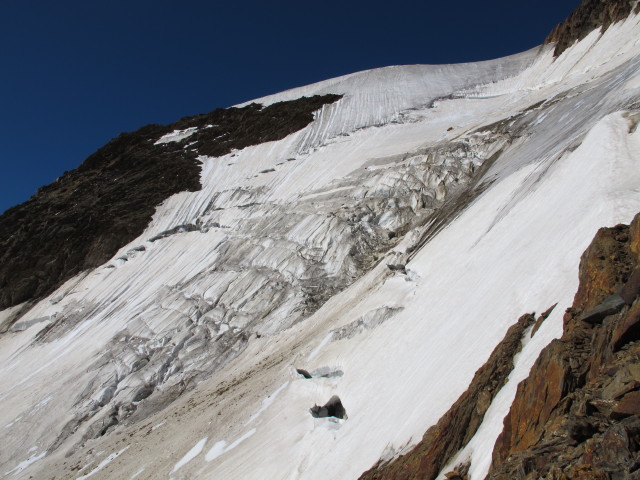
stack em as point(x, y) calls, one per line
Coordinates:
point(578, 413)
point(84, 217)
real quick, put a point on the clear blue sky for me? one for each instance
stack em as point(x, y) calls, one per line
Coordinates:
point(76, 73)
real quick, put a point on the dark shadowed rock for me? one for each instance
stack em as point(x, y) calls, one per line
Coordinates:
point(397, 268)
point(630, 290)
point(610, 305)
point(84, 217)
point(333, 408)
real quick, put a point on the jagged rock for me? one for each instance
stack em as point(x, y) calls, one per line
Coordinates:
point(461, 472)
point(607, 268)
point(628, 405)
point(397, 268)
point(542, 318)
point(591, 14)
point(577, 414)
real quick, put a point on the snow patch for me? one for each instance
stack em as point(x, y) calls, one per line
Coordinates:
point(176, 135)
point(155, 427)
point(221, 447)
point(137, 474)
point(104, 463)
point(266, 402)
point(316, 350)
point(25, 463)
point(191, 454)
point(12, 423)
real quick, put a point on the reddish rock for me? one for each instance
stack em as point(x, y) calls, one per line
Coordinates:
point(604, 267)
point(536, 399)
point(634, 227)
point(541, 319)
point(628, 405)
point(577, 415)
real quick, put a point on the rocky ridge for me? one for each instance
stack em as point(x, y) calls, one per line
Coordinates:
point(590, 15)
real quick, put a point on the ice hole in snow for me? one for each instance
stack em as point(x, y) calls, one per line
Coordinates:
point(333, 408)
point(322, 372)
point(398, 267)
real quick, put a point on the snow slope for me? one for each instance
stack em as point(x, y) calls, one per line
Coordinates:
point(178, 360)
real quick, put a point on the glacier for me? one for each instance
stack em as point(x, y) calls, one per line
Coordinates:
point(384, 249)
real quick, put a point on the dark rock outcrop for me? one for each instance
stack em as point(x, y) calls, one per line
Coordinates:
point(456, 428)
point(84, 217)
point(591, 14)
point(577, 415)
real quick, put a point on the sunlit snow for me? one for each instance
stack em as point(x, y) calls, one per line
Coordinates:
point(176, 135)
point(201, 332)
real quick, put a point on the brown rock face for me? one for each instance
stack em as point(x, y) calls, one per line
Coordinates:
point(605, 266)
point(460, 423)
point(591, 14)
point(83, 218)
point(578, 413)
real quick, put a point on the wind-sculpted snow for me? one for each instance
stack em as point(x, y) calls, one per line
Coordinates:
point(384, 250)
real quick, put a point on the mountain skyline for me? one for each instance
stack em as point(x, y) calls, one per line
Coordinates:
point(79, 74)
